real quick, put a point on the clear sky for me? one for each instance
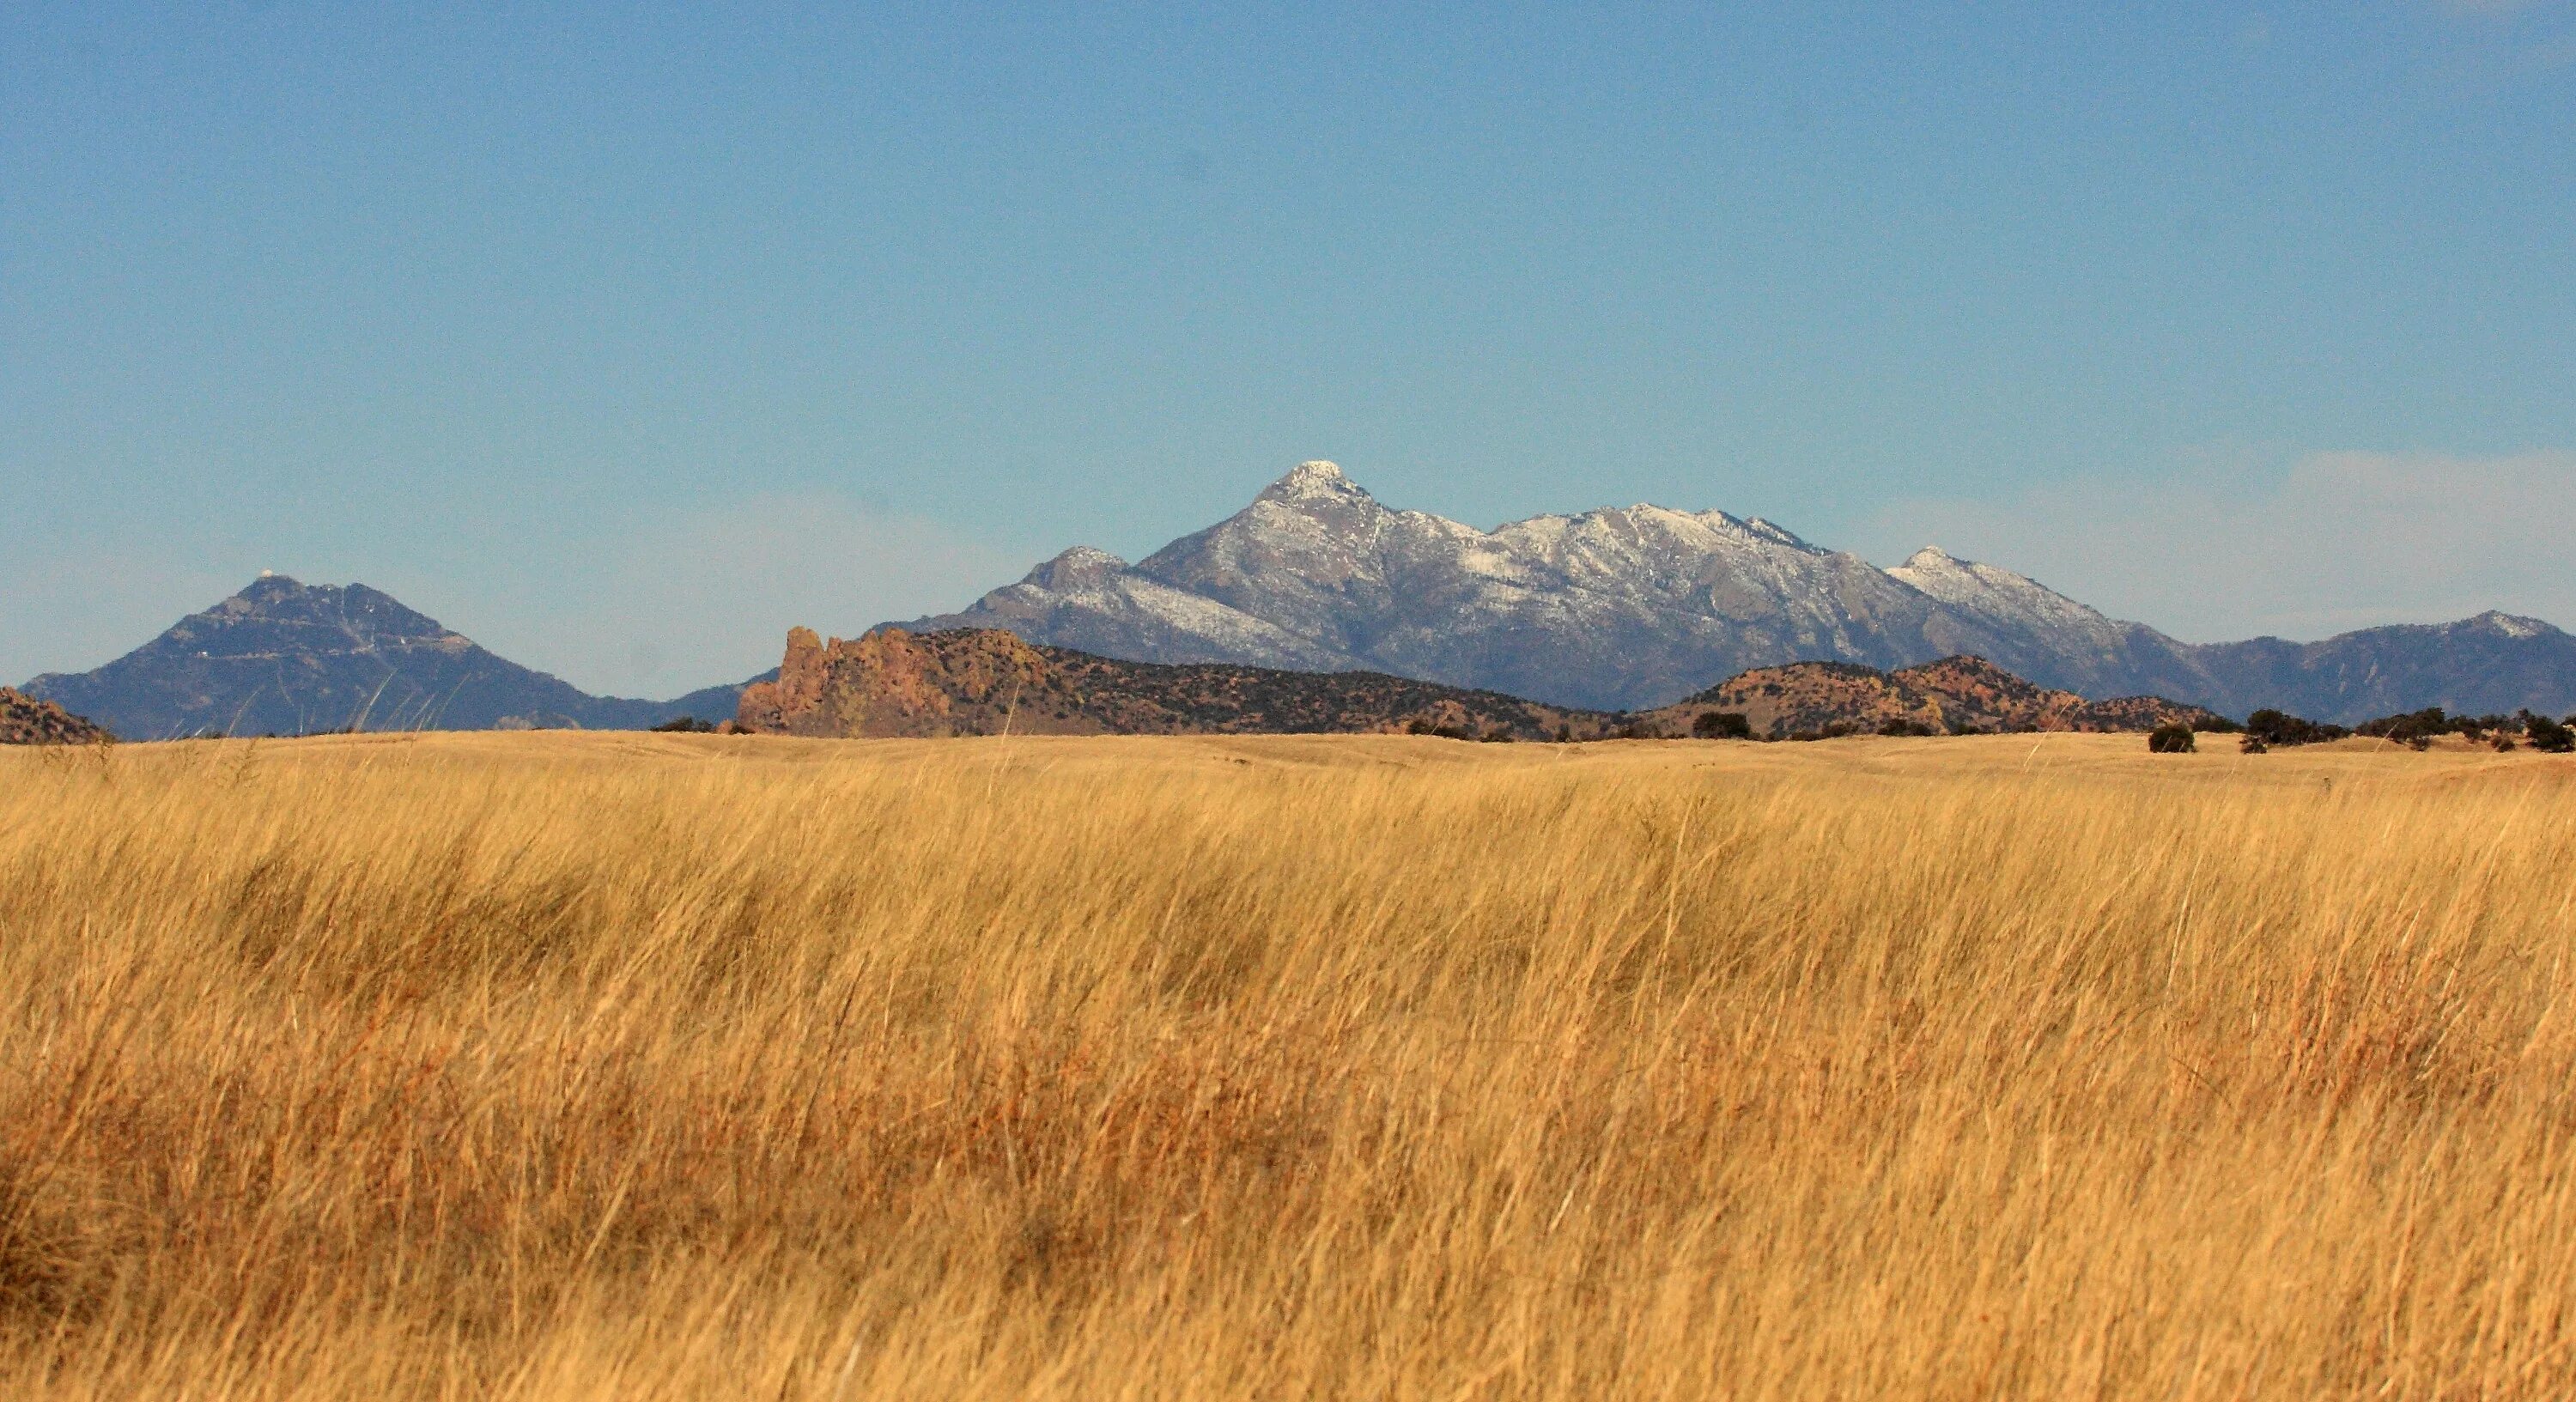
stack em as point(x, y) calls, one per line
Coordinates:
point(623, 338)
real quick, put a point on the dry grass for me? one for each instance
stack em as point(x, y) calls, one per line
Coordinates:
point(616, 1067)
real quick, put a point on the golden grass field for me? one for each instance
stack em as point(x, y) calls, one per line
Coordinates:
point(545, 1066)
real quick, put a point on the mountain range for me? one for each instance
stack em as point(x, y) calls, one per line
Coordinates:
point(1612, 610)
point(1628, 607)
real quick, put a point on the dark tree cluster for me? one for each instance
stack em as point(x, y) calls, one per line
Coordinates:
point(2549, 736)
point(2416, 730)
point(2268, 727)
point(2171, 740)
point(2419, 729)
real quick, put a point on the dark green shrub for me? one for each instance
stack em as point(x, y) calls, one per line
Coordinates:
point(685, 725)
point(2548, 736)
point(2171, 740)
point(1722, 725)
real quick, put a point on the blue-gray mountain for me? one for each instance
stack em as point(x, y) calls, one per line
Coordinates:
point(1630, 607)
point(287, 658)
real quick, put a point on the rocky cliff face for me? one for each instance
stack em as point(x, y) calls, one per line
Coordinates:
point(286, 658)
point(1631, 606)
point(24, 720)
point(990, 682)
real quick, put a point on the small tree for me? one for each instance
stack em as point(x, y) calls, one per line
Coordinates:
point(2171, 740)
point(2546, 735)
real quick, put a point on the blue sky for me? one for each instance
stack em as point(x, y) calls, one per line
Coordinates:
point(622, 339)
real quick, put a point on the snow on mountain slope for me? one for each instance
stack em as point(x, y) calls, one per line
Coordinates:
point(1615, 607)
point(2005, 597)
point(1628, 607)
point(2053, 639)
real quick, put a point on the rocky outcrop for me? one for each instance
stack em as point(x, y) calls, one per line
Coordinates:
point(894, 682)
point(1954, 695)
point(24, 720)
point(891, 682)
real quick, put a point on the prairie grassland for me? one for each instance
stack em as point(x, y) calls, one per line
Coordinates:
point(674, 1067)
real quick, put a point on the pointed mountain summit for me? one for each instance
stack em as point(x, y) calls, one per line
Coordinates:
point(1317, 481)
point(1630, 607)
point(283, 657)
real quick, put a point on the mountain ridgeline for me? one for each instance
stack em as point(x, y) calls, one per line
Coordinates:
point(1630, 607)
point(1616, 611)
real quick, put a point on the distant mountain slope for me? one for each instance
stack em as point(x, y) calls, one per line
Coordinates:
point(2493, 664)
point(1629, 607)
point(2051, 638)
point(1954, 694)
point(988, 682)
point(287, 658)
point(24, 720)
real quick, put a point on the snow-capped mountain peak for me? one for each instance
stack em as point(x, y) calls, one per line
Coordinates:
point(1632, 606)
point(2512, 625)
point(1314, 481)
point(1616, 606)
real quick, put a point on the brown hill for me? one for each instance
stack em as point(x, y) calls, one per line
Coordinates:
point(24, 720)
point(1956, 695)
point(981, 681)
